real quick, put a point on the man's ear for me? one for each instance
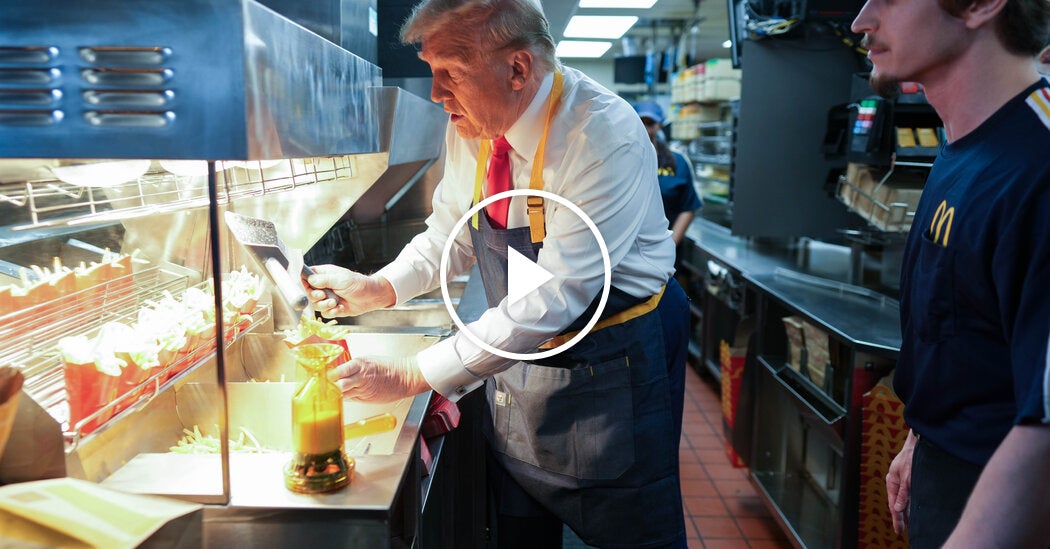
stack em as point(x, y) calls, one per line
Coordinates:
point(981, 12)
point(521, 69)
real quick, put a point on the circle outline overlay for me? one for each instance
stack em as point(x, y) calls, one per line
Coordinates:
point(525, 357)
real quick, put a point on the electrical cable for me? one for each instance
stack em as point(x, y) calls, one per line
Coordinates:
point(760, 25)
point(846, 39)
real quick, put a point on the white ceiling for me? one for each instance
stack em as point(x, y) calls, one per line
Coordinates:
point(661, 25)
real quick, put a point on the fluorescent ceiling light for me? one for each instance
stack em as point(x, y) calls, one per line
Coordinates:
point(581, 48)
point(727, 44)
point(633, 4)
point(599, 26)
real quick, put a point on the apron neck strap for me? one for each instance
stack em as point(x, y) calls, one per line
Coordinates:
point(537, 227)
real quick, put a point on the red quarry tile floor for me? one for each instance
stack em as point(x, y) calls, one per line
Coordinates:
point(722, 509)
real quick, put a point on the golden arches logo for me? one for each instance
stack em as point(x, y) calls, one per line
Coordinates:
point(941, 226)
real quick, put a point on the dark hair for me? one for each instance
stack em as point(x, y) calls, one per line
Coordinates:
point(479, 26)
point(665, 156)
point(1023, 25)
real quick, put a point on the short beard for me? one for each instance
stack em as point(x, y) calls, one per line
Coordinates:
point(885, 86)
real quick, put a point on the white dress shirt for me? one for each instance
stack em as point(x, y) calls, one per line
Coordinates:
point(598, 156)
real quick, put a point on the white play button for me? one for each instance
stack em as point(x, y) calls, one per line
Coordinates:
point(523, 276)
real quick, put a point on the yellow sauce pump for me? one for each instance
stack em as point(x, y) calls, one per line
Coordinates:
point(319, 463)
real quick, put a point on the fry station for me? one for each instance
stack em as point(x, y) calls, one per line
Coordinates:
point(157, 334)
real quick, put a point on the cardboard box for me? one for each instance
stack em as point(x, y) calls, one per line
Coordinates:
point(818, 355)
point(721, 68)
point(718, 88)
point(796, 342)
point(888, 205)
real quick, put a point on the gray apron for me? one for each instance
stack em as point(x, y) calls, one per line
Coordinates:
point(588, 434)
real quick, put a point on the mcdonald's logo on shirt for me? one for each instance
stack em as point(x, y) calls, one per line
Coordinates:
point(941, 226)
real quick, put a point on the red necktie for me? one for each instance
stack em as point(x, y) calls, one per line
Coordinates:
point(497, 181)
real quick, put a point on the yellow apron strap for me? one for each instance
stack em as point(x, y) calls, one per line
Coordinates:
point(630, 313)
point(537, 228)
point(534, 204)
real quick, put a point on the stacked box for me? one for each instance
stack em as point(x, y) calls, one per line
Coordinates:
point(882, 435)
point(721, 80)
point(721, 89)
point(696, 83)
point(732, 365)
point(687, 123)
point(796, 341)
point(818, 357)
point(885, 205)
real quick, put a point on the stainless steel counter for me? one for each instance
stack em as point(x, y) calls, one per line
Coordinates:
point(801, 436)
point(810, 277)
point(380, 508)
point(740, 254)
point(864, 320)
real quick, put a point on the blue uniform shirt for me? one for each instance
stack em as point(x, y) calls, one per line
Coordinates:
point(676, 188)
point(975, 285)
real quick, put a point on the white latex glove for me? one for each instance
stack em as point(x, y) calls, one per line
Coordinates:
point(379, 379)
point(359, 293)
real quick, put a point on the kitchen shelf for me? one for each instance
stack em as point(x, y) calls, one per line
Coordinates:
point(42, 363)
point(32, 333)
point(809, 398)
point(71, 198)
point(891, 217)
point(799, 507)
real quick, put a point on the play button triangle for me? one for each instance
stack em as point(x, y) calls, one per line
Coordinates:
point(523, 276)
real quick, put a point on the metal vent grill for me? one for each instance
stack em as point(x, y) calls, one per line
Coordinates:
point(30, 92)
point(118, 85)
point(126, 86)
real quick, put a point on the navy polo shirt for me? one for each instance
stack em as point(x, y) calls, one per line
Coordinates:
point(676, 188)
point(975, 285)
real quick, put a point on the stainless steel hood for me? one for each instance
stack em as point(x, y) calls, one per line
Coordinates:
point(225, 80)
point(177, 79)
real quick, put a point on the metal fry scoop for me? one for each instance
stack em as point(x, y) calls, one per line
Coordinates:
point(259, 237)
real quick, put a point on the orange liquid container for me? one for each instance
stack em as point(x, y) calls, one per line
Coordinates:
point(317, 432)
point(319, 463)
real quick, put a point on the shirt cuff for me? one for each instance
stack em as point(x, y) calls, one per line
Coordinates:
point(402, 277)
point(443, 369)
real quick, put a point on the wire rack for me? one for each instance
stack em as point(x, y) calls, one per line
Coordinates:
point(889, 217)
point(30, 337)
point(27, 334)
point(55, 201)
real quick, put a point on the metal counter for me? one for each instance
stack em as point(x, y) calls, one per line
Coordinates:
point(865, 320)
point(800, 435)
point(388, 497)
point(810, 277)
point(740, 254)
point(380, 508)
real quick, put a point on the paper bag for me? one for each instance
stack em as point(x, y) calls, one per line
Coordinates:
point(66, 512)
point(10, 388)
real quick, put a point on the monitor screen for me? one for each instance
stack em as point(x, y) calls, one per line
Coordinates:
point(629, 69)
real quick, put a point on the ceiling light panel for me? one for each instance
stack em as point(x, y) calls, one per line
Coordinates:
point(628, 4)
point(581, 48)
point(599, 26)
